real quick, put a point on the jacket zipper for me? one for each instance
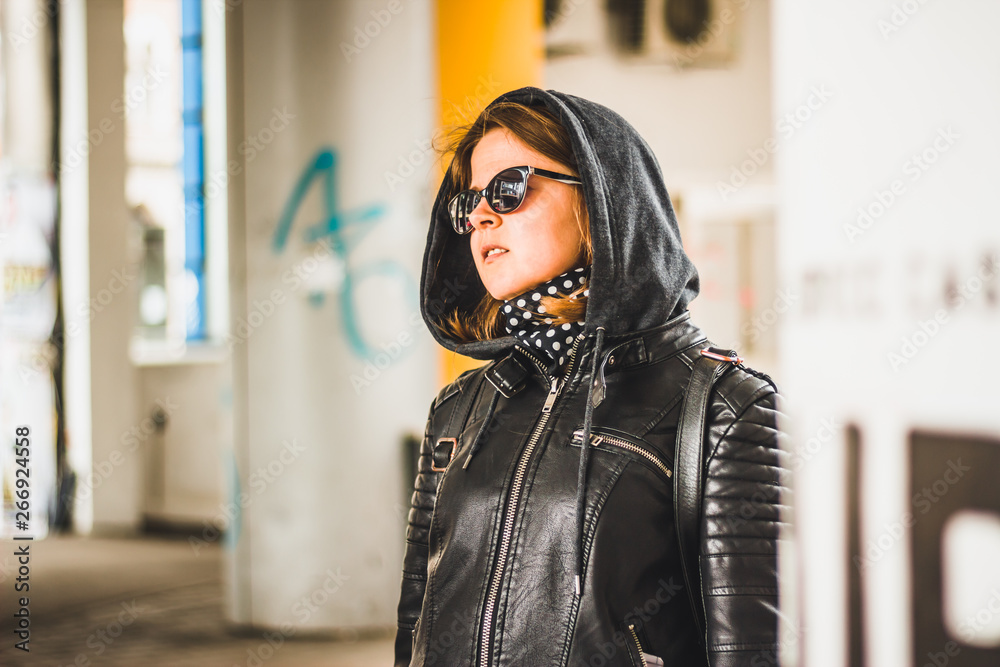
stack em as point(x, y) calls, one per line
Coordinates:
point(625, 444)
point(489, 610)
point(638, 646)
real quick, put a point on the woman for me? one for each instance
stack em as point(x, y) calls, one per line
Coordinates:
point(542, 528)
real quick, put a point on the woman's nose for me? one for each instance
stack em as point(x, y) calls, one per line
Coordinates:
point(484, 216)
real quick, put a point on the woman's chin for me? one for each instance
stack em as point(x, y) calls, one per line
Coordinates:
point(503, 292)
point(503, 286)
point(498, 285)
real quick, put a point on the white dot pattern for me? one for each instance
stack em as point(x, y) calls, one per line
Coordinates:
point(525, 320)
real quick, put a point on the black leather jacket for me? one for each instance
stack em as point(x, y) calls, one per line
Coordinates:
point(540, 551)
point(513, 504)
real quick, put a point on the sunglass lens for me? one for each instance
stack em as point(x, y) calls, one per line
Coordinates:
point(506, 191)
point(459, 209)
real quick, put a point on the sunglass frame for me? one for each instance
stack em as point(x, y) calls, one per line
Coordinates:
point(465, 227)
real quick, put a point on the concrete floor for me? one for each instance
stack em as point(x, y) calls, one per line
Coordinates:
point(82, 587)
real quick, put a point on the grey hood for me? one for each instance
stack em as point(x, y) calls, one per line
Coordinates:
point(640, 276)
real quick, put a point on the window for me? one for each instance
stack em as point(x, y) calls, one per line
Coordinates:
point(161, 109)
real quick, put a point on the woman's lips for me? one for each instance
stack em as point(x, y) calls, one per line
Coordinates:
point(489, 258)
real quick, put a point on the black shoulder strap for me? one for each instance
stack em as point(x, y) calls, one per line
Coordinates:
point(446, 446)
point(688, 467)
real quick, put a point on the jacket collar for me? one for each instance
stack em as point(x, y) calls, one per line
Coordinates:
point(627, 350)
point(651, 345)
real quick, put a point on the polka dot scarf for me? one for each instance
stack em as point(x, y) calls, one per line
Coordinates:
point(525, 318)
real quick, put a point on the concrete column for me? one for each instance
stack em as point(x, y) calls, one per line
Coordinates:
point(887, 232)
point(28, 296)
point(481, 54)
point(329, 108)
point(97, 277)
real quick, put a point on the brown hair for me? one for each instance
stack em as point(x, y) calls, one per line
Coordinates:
point(540, 130)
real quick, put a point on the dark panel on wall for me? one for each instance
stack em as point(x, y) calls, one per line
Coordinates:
point(855, 600)
point(948, 473)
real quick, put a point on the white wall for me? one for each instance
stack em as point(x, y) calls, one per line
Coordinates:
point(318, 450)
point(705, 121)
point(699, 120)
point(862, 345)
point(183, 434)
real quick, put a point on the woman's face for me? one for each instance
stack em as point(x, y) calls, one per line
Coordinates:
point(538, 241)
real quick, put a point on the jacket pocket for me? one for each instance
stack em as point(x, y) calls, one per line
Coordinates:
point(638, 656)
point(599, 437)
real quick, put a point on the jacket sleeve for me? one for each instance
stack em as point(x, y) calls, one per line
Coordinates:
point(411, 597)
point(415, 554)
point(741, 521)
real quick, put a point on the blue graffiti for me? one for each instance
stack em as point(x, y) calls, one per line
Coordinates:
point(343, 230)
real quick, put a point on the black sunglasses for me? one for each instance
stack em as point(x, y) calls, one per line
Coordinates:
point(503, 194)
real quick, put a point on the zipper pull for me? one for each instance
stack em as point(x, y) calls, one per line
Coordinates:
point(599, 389)
point(600, 384)
point(594, 438)
point(551, 398)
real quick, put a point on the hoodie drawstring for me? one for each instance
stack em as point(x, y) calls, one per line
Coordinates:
point(581, 480)
point(482, 429)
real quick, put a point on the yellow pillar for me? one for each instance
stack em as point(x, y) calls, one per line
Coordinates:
point(484, 49)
